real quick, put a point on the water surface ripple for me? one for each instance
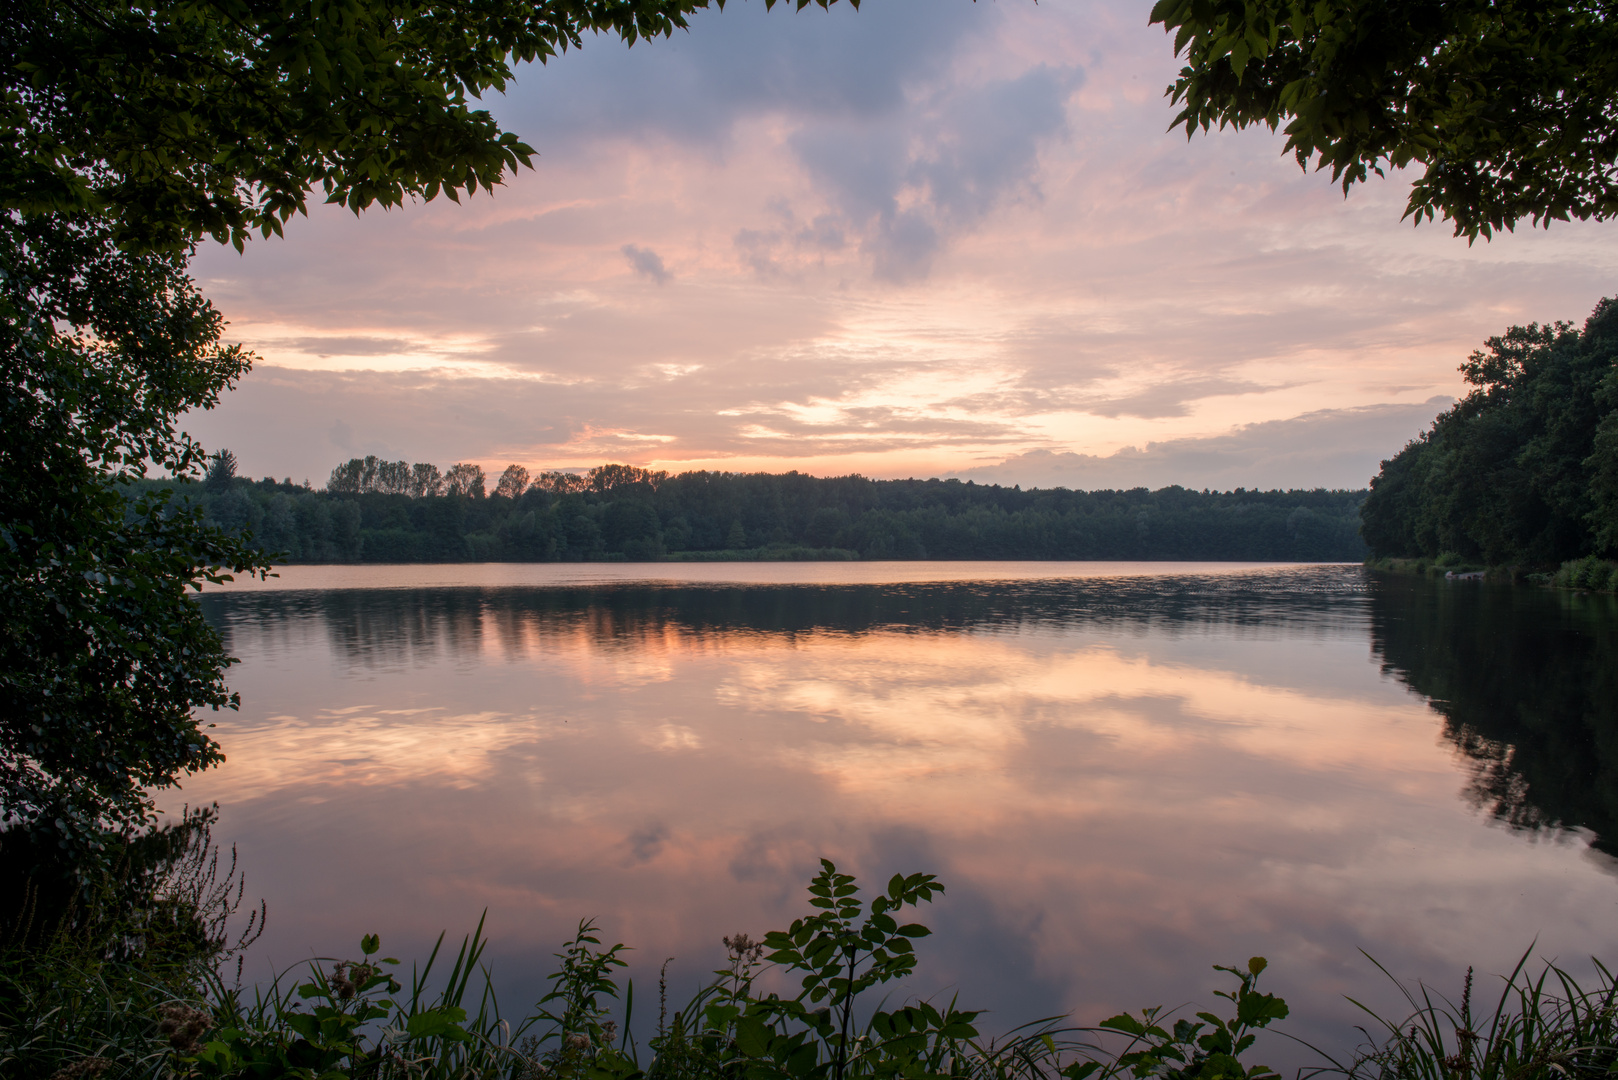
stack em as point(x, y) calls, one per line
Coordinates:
point(1125, 772)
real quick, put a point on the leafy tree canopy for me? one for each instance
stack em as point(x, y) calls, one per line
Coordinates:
point(1524, 469)
point(175, 119)
point(1510, 107)
point(102, 657)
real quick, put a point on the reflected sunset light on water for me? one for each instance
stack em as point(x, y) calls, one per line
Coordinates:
point(1123, 778)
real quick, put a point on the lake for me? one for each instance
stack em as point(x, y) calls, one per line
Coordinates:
point(1124, 773)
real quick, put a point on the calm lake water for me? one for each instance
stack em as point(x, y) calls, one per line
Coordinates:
point(1124, 773)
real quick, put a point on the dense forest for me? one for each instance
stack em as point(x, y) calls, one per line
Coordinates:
point(1524, 469)
point(393, 512)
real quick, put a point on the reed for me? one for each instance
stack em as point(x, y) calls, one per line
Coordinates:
point(1544, 1026)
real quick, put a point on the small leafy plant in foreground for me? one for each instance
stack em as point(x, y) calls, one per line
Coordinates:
point(837, 953)
point(354, 1019)
point(1209, 1050)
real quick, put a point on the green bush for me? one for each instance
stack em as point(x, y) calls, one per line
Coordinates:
point(1598, 576)
point(1589, 574)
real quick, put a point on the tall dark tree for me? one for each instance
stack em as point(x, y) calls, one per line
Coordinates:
point(221, 470)
point(103, 658)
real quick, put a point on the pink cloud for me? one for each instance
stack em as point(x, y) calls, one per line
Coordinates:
point(927, 235)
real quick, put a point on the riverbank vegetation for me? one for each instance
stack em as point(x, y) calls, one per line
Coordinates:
point(70, 1011)
point(392, 512)
point(1588, 574)
point(1523, 471)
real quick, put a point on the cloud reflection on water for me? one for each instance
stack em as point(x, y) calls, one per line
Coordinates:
point(1121, 782)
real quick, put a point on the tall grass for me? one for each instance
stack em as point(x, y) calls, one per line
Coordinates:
point(1545, 1026)
point(99, 973)
point(58, 1014)
point(356, 1018)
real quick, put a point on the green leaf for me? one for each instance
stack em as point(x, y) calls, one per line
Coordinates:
point(304, 1024)
point(1163, 11)
point(1257, 1010)
point(753, 1036)
point(1125, 1023)
point(438, 1023)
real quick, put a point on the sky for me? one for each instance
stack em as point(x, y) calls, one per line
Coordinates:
point(926, 238)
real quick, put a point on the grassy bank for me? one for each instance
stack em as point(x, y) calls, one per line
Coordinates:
point(66, 1016)
point(1589, 574)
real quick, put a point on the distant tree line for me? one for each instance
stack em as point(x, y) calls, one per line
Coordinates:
point(389, 512)
point(1524, 469)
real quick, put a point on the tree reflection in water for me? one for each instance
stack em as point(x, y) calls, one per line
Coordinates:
point(1124, 778)
point(1525, 680)
point(1527, 683)
point(387, 627)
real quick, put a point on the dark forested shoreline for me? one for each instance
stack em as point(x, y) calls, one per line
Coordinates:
point(1521, 472)
point(622, 513)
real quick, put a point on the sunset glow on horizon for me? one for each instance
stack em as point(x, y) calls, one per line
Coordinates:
point(927, 238)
